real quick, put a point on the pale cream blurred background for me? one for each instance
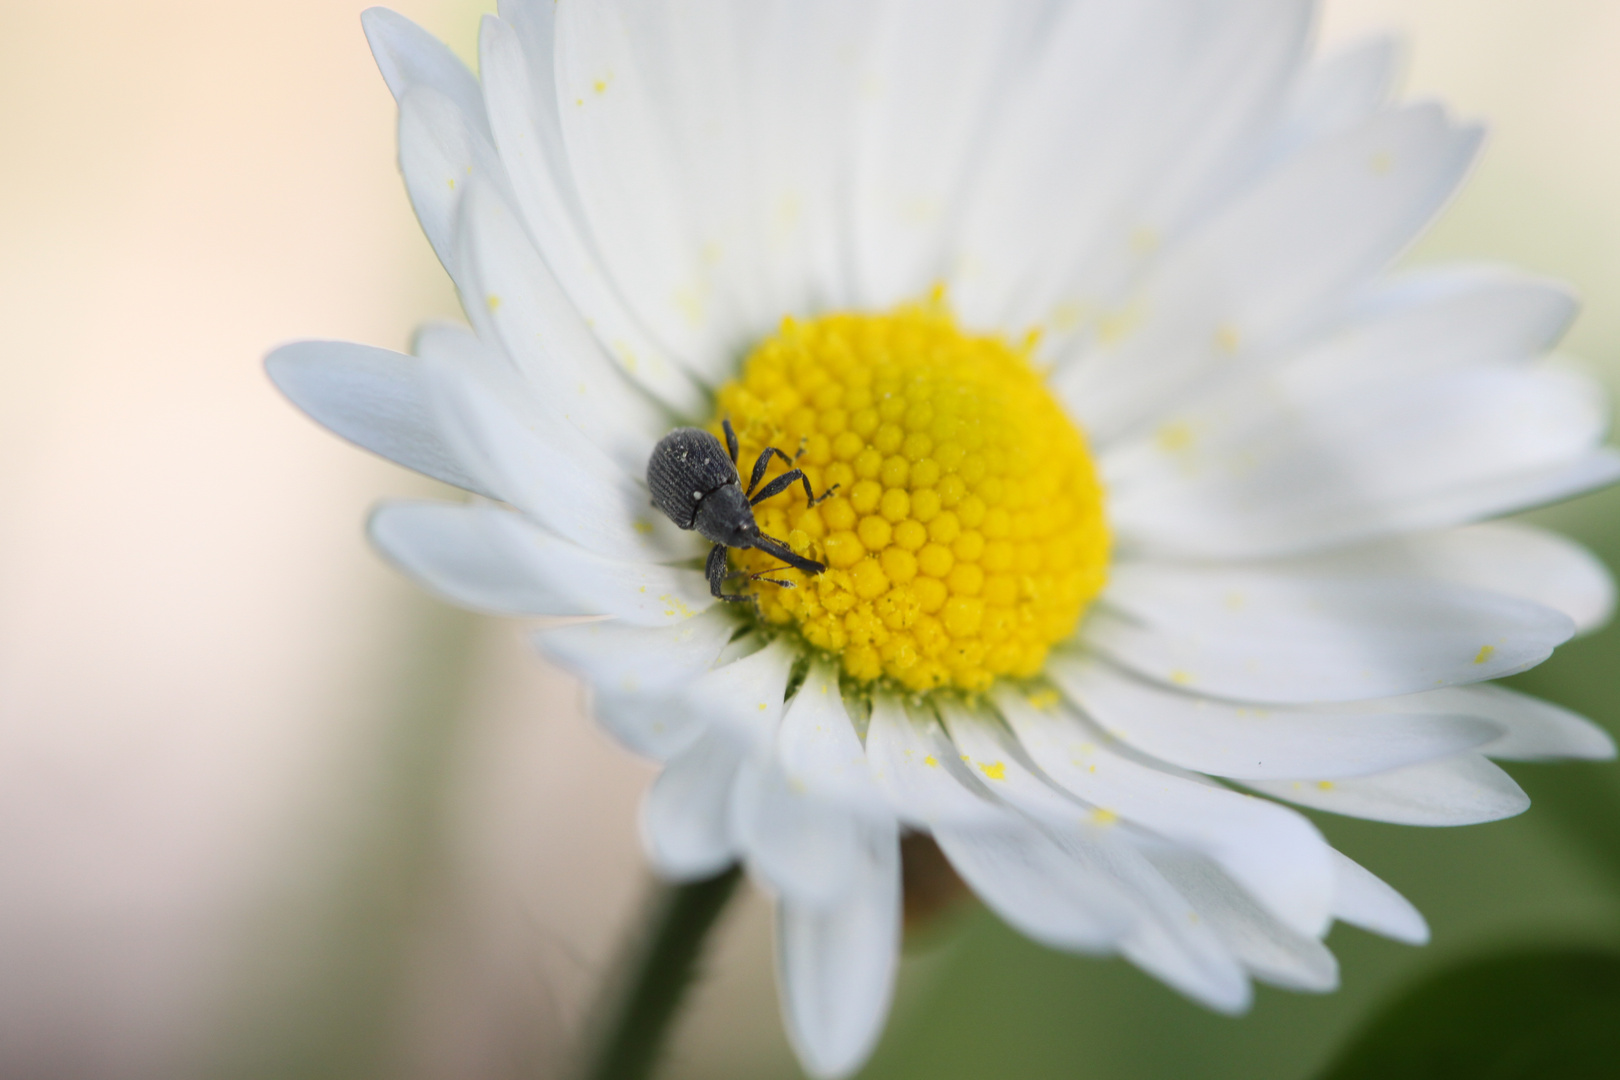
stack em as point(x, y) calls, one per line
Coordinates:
point(264, 810)
point(233, 832)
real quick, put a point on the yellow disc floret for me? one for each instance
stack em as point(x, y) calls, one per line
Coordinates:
point(967, 534)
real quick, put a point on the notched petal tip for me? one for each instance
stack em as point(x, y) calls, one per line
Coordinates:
point(376, 399)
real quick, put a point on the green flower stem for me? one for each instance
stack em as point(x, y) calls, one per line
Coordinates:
point(636, 1011)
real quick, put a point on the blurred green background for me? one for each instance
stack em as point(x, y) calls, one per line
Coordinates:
point(270, 813)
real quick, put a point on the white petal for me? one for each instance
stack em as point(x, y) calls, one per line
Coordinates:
point(461, 554)
point(1049, 887)
point(802, 67)
point(1433, 319)
point(1094, 895)
point(918, 770)
point(1070, 143)
point(375, 398)
point(1224, 738)
point(442, 147)
point(1211, 977)
point(1228, 105)
point(1366, 901)
point(624, 116)
point(995, 760)
point(522, 104)
point(1271, 636)
point(1132, 110)
point(627, 659)
point(1172, 942)
point(659, 720)
point(804, 847)
point(819, 750)
point(513, 298)
point(689, 59)
point(1414, 325)
point(1339, 92)
point(1464, 790)
point(634, 671)
point(1272, 951)
point(746, 696)
point(1535, 730)
point(835, 967)
point(534, 24)
point(1510, 494)
point(1506, 557)
point(453, 345)
point(685, 815)
point(1400, 329)
point(1297, 473)
point(492, 560)
point(1065, 883)
point(937, 70)
point(1325, 221)
point(409, 56)
point(550, 472)
point(1275, 854)
point(659, 728)
point(1182, 728)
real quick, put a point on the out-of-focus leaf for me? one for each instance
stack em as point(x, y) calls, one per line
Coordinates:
point(1544, 1015)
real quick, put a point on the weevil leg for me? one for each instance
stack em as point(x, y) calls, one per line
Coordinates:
point(785, 481)
point(716, 571)
point(777, 486)
point(759, 470)
point(762, 464)
point(774, 581)
point(823, 497)
point(731, 439)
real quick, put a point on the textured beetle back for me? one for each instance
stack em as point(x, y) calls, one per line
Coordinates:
point(686, 465)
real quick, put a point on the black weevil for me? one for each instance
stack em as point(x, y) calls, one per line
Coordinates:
point(697, 486)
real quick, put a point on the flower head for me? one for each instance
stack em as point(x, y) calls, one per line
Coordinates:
point(1152, 489)
point(968, 535)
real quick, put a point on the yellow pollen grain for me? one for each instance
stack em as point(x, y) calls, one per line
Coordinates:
point(1485, 653)
point(1066, 316)
point(967, 535)
point(1045, 699)
point(995, 770)
point(1175, 438)
point(1115, 326)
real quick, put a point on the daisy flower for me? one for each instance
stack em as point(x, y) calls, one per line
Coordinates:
point(1154, 494)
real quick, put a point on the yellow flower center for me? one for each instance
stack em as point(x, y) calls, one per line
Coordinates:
point(967, 534)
